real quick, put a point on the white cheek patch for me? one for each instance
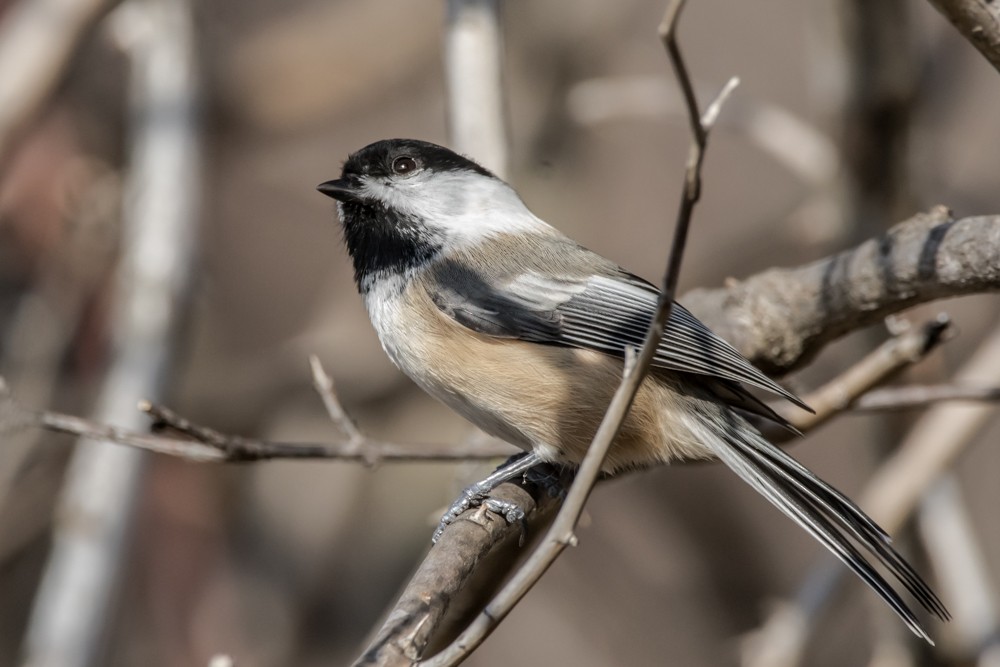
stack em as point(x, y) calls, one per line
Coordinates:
point(466, 207)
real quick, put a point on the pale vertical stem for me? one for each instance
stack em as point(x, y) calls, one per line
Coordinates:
point(76, 598)
point(473, 66)
point(950, 539)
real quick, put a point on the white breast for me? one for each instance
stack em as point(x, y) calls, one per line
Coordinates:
point(384, 302)
point(415, 337)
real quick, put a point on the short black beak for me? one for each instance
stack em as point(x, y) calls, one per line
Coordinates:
point(340, 189)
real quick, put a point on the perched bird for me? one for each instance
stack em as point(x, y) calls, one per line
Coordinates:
point(523, 332)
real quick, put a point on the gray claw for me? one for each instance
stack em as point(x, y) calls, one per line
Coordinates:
point(508, 510)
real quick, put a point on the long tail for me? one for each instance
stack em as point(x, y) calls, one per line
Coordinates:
point(823, 512)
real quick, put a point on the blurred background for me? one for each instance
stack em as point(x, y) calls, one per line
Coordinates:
point(851, 115)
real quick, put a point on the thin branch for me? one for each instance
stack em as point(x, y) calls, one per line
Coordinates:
point(38, 38)
point(841, 393)
point(203, 444)
point(781, 318)
point(960, 566)
point(327, 392)
point(933, 444)
point(914, 396)
point(562, 532)
point(978, 21)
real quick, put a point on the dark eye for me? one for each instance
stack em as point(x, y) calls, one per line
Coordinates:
point(403, 165)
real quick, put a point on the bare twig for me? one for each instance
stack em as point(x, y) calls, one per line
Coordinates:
point(960, 566)
point(474, 74)
point(978, 21)
point(841, 393)
point(324, 386)
point(915, 396)
point(37, 40)
point(934, 443)
point(71, 612)
point(562, 534)
point(781, 318)
point(204, 444)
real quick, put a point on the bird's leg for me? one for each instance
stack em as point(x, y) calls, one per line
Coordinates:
point(477, 494)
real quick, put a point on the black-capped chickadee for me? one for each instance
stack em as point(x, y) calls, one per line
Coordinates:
point(523, 332)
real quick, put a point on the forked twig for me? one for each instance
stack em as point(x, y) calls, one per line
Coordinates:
point(561, 534)
point(895, 354)
point(204, 444)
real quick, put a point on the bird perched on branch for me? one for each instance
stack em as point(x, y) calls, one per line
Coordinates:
point(523, 332)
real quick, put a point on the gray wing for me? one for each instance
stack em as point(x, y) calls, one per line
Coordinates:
point(598, 312)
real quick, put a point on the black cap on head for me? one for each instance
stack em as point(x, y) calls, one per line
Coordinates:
point(385, 158)
point(377, 159)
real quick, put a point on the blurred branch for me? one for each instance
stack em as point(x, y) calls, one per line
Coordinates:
point(930, 449)
point(45, 325)
point(38, 38)
point(933, 444)
point(562, 532)
point(882, 64)
point(75, 601)
point(950, 540)
point(473, 66)
point(978, 21)
point(915, 396)
point(781, 318)
point(794, 143)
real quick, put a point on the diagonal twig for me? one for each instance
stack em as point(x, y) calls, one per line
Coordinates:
point(324, 386)
point(561, 534)
point(978, 21)
point(895, 354)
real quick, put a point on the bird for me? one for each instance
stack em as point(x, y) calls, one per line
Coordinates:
point(523, 332)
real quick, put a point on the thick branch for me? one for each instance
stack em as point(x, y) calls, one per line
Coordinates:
point(978, 21)
point(431, 606)
point(781, 318)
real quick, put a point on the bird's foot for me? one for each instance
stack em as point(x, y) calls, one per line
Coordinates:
point(477, 495)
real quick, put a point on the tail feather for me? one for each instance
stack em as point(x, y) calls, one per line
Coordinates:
point(837, 507)
point(824, 513)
